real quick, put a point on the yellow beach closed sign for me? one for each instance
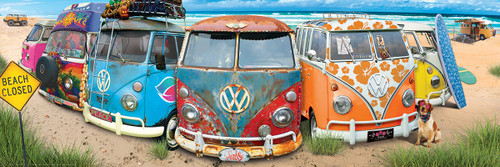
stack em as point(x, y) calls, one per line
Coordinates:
point(17, 86)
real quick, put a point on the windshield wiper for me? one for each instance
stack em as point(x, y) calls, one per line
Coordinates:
point(347, 49)
point(119, 54)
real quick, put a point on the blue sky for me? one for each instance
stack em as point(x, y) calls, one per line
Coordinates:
point(51, 8)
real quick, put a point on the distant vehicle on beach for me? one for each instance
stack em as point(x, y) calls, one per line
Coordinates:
point(34, 44)
point(476, 28)
point(12, 19)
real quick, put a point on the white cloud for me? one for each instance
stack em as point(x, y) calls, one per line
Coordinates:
point(8, 9)
point(19, 3)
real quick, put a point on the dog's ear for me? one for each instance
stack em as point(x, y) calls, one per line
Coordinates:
point(431, 107)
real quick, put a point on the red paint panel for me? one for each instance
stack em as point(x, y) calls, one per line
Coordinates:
point(264, 117)
point(209, 123)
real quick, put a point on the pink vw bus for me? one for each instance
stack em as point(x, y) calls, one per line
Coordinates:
point(34, 44)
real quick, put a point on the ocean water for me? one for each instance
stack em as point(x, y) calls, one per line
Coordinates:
point(295, 18)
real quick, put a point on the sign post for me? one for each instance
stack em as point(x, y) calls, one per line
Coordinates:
point(17, 86)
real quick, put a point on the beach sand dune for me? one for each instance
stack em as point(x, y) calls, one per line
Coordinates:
point(65, 127)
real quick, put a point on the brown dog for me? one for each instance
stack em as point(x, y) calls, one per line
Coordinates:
point(427, 127)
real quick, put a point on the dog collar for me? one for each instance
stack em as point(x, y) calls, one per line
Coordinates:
point(426, 117)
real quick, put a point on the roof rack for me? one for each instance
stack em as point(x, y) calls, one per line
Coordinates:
point(123, 9)
point(351, 15)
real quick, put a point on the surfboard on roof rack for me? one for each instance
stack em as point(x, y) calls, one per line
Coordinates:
point(123, 9)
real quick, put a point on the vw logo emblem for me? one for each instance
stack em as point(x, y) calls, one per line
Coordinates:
point(103, 80)
point(234, 98)
point(378, 85)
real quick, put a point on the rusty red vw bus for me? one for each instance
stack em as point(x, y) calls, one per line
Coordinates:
point(238, 89)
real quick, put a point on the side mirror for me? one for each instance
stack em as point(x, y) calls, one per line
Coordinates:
point(415, 50)
point(311, 54)
point(160, 62)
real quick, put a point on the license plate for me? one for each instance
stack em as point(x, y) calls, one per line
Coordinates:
point(380, 135)
point(100, 115)
point(234, 154)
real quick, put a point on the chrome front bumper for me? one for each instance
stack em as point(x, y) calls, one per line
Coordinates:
point(444, 95)
point(118, 125)
point(59, 101)
point(352, 136)
point(24, 67)
point(269, 149)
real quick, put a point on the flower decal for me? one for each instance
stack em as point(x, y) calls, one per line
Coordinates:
point(378, 25)
point(374, 103)
point(377, 113)
point(359, 89)
point(328, 26)
point(384, 99)
point(348, 80)
point(338, 29)
point(388, 22)
point(333, 68)
point(393, 27)
point(358, 25)
point(342, 21)
point(399, 73)
point(345, 70)
point(364, 70)
point(385, 66)
point(405, 60)
point(395, 62)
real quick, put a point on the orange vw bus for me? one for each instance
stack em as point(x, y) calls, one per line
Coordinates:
point(358, 78)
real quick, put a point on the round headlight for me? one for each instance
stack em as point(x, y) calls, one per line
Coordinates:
point(291, 97)
point(282, 117)
point(183, 92)
point(264, 130)
point(342, 105)
point(408, 98)
point(435, 81)
point(137, 86)
point(190, 113)
point(68, 83)
point(129, 102)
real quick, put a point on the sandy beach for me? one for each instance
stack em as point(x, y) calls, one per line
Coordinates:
point(66, 127)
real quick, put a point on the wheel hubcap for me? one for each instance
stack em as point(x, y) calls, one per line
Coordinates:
point(313, 127)
point(42, 69)
point(171, 126)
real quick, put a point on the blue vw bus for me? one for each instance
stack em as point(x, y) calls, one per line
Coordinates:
point(131, 78)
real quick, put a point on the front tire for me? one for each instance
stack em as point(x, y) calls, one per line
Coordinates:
point(24, 23)
point(482, 37)
point(170, 128)
point(10, 23)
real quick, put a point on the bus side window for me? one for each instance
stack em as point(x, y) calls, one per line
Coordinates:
point(179, 44)
point(157, 47)
point(318, 44)
point(170, 50)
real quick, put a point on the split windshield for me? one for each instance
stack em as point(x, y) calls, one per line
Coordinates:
point(214, 50)
point(127, 46)
point(265, 50)
point(67, 44)
point(427, 41)
point(348, 46)
point(255, 50)
point(35, 33)
point(389, 44)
